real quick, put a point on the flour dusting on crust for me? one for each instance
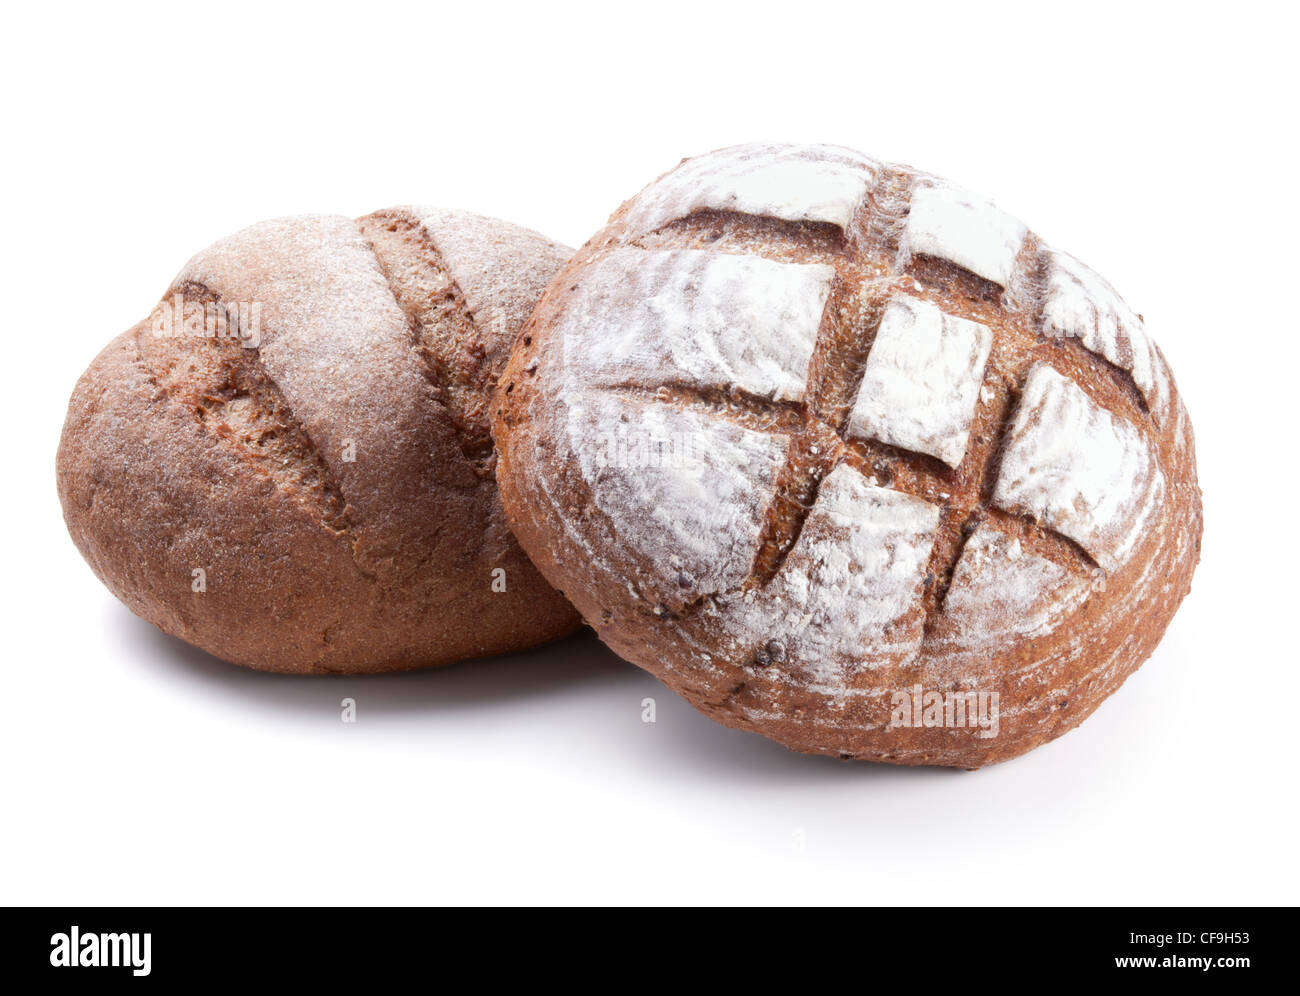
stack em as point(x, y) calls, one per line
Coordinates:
point(791, 182)
point(501, 269)
point(1001, 592)
point(338, 346)
point(963, 228)
point(1078, 469)
point(850, 588)
point(688, 316)
point(1081, 304)
point(922, 380)
point(687, 489)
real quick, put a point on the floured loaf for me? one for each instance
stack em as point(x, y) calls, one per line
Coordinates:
point(848, 457)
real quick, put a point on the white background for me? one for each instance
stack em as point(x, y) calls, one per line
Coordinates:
point(1159, 147)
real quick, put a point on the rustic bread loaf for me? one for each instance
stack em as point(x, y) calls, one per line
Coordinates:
point(289, 463)
point(849, 457)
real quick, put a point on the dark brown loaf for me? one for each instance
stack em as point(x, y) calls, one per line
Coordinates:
point(840, 452)
point(322, 455)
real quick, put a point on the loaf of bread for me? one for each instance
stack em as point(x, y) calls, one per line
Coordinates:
point(848, 457)
point(289, 465)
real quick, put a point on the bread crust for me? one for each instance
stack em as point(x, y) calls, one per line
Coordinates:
point(334, 485)
point(1034, 581)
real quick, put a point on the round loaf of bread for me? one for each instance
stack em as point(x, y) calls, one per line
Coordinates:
point(848, 457)
point(289, 464)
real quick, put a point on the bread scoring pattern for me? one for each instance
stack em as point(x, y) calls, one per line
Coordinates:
point(862, 358)
point(800, 433)
point(322, 453)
